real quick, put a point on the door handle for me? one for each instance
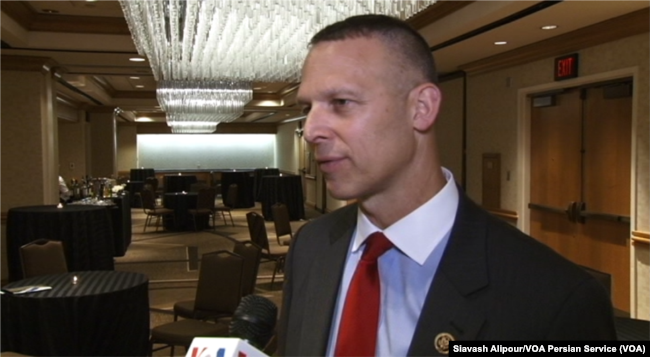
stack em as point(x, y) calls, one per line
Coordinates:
point(579, 208)
point(570, 211)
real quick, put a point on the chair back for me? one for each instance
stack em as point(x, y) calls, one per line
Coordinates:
point(220, 282)
point(257, 230)
point(231, 196)
point(281, 220)
point(153, 182)
point(205, 198)
point(148, 200)
point(252, 253)
point(43, 256)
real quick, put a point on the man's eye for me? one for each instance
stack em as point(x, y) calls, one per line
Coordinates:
point(340, 102)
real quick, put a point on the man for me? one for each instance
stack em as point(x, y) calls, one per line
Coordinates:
point(454, 272)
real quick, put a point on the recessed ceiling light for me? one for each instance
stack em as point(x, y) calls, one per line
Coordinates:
point(143, 119)
point(134, 77)
point(549, 27)
point(501, 43)
point(139, 86)
point(50, 11)
point(136, 59)
point(258, 88)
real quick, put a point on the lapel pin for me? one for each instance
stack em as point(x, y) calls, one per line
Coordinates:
point(442, 342)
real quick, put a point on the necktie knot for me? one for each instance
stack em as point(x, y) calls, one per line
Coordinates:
point(376, 245)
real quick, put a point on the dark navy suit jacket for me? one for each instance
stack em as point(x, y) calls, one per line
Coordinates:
point(493, 283)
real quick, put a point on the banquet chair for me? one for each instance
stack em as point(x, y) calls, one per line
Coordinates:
point(151, 210)
point(252, 254)
point(257, 231)
point(41, 257)
point(218, 294)
point(204, 205)
point(229, 202)
point(282, 223)
point(219, 288)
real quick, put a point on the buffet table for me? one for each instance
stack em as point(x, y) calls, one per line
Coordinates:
point(105, 313)
point(85, 230)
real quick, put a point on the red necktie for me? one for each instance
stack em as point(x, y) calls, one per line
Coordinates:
point(357, 334)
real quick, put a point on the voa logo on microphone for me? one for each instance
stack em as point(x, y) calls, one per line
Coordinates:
point(221, 352)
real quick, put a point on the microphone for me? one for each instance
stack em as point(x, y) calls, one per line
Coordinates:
point(222, 347)
point(254, 320)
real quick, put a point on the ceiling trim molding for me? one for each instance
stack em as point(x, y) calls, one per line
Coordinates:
point(19, 11)
point(631, 24)
point(35, 21)
point(27, 63)
point(435, 12)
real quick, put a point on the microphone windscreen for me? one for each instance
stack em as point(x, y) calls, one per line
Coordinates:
point(254, 320)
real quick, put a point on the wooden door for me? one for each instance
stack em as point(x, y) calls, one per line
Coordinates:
point(580, 181)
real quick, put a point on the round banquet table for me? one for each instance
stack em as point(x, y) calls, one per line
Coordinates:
point(178, 183)
point(106, 313)
point(85, 230)
point(181, 203)
point(285, 189)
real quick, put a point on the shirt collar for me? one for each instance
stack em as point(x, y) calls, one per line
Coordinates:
point(419, 232)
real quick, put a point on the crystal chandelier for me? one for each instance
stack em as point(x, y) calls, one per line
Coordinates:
point(234, 42)
point(198, 106)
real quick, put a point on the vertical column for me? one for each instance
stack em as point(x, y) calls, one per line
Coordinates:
point(103, 144)
point(29, 132)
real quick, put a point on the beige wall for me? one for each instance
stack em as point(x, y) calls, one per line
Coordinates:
point(449, 126)
point(72, 148)
point(493, 121)
point(127, 147)
point(103, 145)
point(287, 146)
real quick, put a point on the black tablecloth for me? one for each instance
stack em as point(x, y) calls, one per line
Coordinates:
point(141, 174)
point(181, 203)
point(245, 181)
point(259, 173)
point(285, 189)
point(86, 233)
point(178, 183)
point(134, 188)
point(105, 314)
point(121, 219)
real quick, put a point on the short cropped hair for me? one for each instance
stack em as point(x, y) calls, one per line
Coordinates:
point(407, 42)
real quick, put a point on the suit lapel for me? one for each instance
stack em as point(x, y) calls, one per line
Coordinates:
point(449, 307)
point(322, 290)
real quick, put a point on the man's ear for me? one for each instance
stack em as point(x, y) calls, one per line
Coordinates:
point(426, 98)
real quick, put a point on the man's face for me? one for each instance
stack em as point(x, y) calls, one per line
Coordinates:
point(358, 120)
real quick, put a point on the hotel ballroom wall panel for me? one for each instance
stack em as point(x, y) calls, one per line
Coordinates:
point(103, 145)
point(127, 147)
point(209, 151)
point(72, 148)
point(449, 127)
point(288, 148)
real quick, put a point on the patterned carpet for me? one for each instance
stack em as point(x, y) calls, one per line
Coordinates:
point(170, 260)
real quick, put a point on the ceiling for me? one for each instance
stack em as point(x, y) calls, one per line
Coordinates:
point(91, 45)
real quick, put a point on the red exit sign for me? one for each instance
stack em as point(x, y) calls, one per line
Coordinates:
point(566, 67)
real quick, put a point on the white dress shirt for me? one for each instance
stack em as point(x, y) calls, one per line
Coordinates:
point(406, 271)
